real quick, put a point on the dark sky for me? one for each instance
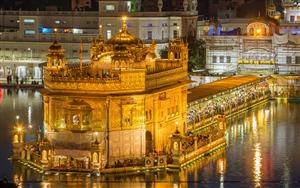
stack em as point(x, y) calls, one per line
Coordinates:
point(34, 4)
point(249, 9)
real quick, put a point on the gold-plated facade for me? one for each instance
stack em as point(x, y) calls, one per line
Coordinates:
point(123, 105)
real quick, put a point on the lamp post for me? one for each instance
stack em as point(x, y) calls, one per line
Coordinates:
point(17, 119)
point(30, 70)
point(29, 49)
point(178, 32)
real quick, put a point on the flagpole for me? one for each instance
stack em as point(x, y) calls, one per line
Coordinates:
point(80, 56)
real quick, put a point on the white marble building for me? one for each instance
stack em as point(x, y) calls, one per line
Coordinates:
point(25, 37)
point(253, 46)
point(161, 26)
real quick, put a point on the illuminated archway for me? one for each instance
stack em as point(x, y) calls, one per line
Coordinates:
point(258, 29)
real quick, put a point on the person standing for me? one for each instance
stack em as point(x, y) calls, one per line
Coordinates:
point(17, 80)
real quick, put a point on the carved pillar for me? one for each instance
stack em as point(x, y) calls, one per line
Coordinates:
point(195, 143)
point(28, 154)
point(155, 122)
point(108, 101)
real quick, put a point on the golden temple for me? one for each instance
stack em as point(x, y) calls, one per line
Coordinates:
point(126, 108)
point(123, 105)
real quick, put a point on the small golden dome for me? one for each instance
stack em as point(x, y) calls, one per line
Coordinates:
point(55, 46)
point(124, 38)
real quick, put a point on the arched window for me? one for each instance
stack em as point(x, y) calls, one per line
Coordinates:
point(95, 157)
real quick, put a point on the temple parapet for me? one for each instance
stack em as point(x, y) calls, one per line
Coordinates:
point(114, 81)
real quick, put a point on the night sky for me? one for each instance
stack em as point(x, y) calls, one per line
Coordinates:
point(250, 9)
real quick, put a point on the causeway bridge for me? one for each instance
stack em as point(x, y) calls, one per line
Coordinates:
point(227, 96)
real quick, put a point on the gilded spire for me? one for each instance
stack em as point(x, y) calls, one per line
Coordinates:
point(124, 25)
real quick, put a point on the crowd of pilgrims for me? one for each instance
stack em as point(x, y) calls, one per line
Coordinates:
point(222, 104)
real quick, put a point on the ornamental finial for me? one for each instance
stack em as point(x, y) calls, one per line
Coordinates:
point(124, 25)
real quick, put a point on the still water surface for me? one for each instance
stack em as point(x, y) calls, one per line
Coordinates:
point(263, 151)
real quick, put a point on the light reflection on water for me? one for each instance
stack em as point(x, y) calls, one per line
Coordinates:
point(262, 151)
point(257, 165)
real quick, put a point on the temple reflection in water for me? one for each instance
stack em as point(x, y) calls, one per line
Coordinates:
point(272, 125)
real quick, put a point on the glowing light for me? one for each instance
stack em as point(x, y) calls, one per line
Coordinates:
point(258, 31)
point(45, 185)
point(124, 18)
point(277, 17)
point(257, 165)
point(19, 129)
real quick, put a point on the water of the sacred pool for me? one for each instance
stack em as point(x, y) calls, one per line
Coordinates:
point(262, 151)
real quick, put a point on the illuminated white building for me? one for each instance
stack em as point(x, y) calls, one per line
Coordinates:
point(159, 25)
point(26, 35)
point(258, 46)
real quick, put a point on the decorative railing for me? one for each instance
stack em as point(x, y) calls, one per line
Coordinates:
point(82, 78)
point(164, 65)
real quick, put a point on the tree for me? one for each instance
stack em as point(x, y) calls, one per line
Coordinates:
point(197, 53)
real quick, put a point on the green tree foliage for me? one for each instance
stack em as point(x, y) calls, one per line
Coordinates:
point(197, 53)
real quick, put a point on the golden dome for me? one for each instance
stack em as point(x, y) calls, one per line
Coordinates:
point(123, 37)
